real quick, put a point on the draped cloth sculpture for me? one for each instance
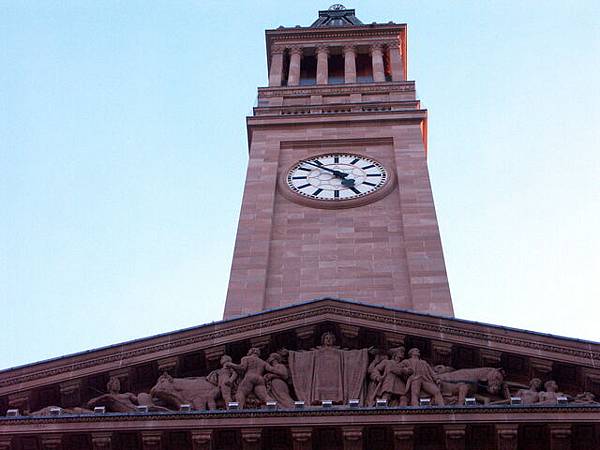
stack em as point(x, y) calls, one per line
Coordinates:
point(329, 373)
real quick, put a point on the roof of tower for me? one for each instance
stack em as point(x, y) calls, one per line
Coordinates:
point(336, 16)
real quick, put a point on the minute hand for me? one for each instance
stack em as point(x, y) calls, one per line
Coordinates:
point(337, 173)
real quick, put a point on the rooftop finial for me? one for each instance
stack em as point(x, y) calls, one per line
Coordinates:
point(337, 7)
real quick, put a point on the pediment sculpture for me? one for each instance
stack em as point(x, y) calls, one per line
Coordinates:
point(328, 372)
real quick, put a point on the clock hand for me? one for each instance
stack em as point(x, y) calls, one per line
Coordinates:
point(337, 173)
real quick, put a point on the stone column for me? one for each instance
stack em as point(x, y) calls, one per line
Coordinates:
point(201, 439)
point(295, 60)
point(377, 62)
point(540, 368)
point(151, 440)
point(396, 61)
point(305, 336)
point(276, 65)
point(349, 64)
point(213, 356)
point(124, 375)
point(168, 365)
point(51, 442)
point(261, 342)
point(5, 443)
point(442, 352)
point(322, 64)
point(506, 436)
point(349, 334)
point(490, 357)
point(20, 401)
point(560, 436)
point(404, 437)
point(302, 438)
point(394, 339)
point(70, 393)
point(251, 439)
point(353, 438)
point(102, 441)
point(455, 436)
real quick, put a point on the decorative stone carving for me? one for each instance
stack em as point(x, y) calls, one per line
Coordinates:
point(201, 439)
point(442, 352)
point(48, 411)
point(391, 375)
point(301, 438)
point(540, 367)
point(102, 441)
point(253, 369)
point(328, 373)
point(374, 375)
point(151, 440)
point(404, 437)
point(277, 381)
point(251, 438)
point(195, 391)
point(51, 442)
point(394, 339)
point(168, 365)
point(490, 357)
point(224, 378)
point(114, 401)
point(506, 436)
point(422, 378)
point(213, 355)
point(353, 438)
point(464, 382)
point(551, 394)
point(531, 395)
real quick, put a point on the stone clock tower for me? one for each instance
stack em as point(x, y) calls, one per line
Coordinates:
point(337, 200)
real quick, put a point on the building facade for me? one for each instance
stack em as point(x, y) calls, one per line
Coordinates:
point(337, 204)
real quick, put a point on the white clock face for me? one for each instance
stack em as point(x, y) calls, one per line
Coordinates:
point(336, 177)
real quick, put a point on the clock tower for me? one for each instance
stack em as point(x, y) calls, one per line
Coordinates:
point(337, 200)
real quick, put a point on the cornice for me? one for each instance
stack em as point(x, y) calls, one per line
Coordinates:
point(203, 337)
point(333, 416)
point(358, 88)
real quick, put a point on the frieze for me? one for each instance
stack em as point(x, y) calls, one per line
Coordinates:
point(453, 332)
point(407, 86)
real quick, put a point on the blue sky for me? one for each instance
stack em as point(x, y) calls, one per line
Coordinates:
point(123, 153)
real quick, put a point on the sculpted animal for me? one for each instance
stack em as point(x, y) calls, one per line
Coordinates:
point(466, 382)
point(195, 391)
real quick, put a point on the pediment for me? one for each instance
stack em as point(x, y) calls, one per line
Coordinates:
point(195, 352)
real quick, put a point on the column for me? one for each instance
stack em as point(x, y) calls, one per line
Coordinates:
point(201, 439)
point(442, 352)
point(102, 441)
point(302, 438)
point(306, 336)
point(506, 436)
point(19, 401)
point(51, 442)
point(349, 334)
point(251, 439)
point(377, 62)
point(540, 368)
point(168, 365)
point(276, 65)
point(294, 72)
point(322, 64)
point(396, 61)
point(70, 393)
point(5, 442)
point(455, 436)
point(261, 342)
point(404, 437)
point(349, 64)
point(490, 357)
point(151, 440)
point(394, 339)
point(353, 438)
point(213, 356)
point(560, 436)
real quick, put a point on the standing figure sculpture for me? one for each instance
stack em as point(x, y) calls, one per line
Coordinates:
point(253, 380)
point(550, 396)
point(224, 378)
point(423, 378)
point(329, 373)
point(277, 381)
point(391, 382)
point(374, 375)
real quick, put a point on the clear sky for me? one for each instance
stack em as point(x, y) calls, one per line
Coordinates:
point(123, 151)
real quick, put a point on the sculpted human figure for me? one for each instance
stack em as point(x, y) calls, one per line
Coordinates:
point(329, 373)
point(531, 395)
point(253, 369)
point(374, 375)
point(423, 378)
point(114, 401)
point(277, 381)
point(550, 396)
point(392, 374)
point(224, 378)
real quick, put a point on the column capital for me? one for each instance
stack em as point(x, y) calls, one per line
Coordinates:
point(214, 353)
point(277, 49)
point(506, 436)
point(260, 341)
point(393, 43)
point(352, 437)
point(376, 47)
point(169, 364)
point(404, 436)
point(394, 339)
point(201, 439)
point(322, 49)
point(349, 48)
point(442, 352)
point(540, 366)
point(489, 356)
point(301, 434)
point(455, 436)
point(51, 441)
point(102, 441)
point(151, 440)
point(560, 436)
point(251, 438)
point(295, 50)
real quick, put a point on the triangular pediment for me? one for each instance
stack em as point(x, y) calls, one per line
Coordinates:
point(72, 380)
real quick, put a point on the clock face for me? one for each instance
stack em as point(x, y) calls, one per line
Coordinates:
point(336, 177)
